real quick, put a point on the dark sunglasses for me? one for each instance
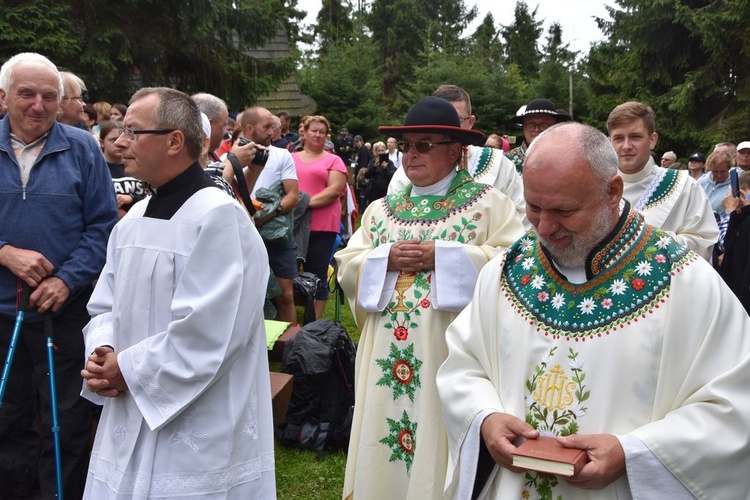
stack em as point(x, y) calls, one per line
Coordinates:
point(422, 146)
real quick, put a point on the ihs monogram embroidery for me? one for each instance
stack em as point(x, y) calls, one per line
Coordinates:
point(554, 402)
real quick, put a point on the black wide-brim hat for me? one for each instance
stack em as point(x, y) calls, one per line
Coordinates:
point(433, 115)
point(541, 106)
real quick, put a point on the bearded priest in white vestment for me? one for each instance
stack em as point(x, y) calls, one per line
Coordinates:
point(408, 270)
point(177, 340)
point(587, 330)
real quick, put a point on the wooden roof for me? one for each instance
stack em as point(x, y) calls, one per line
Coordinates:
point(287, 97)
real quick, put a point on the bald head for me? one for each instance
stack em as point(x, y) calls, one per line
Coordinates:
point(257, 124)
point(572, 190)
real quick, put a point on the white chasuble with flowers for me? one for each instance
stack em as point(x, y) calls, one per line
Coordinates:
point(398, 448)
point(640, 348)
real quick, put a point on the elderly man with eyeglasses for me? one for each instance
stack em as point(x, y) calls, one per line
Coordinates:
point(485, 164)
point(408, 271)
point(668, 159)
point(57, 208)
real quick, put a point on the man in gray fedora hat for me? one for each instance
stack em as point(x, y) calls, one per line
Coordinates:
point(536, 117)
point(408, 271)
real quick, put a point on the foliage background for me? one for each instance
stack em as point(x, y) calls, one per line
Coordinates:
point(366, 63)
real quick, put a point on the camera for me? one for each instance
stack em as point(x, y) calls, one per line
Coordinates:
point(261, 155)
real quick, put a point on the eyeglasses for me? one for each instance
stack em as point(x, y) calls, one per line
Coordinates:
point(421, 146)
point(464, 118)
point(541, 127)
point(131, 134)
point(78, 98)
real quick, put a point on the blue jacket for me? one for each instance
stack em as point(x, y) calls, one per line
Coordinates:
point(65, 212)
point(715, 192)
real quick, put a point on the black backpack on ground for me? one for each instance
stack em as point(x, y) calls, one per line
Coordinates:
point(321, 359)
point(305, 285)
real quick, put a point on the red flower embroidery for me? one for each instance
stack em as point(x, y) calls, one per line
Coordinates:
point(429, 278)
point(638, 284)
point(525, 280)
point(425, 303)
point(401, 333)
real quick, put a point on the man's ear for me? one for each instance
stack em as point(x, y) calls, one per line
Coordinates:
point(616, 187)
point(176, 141)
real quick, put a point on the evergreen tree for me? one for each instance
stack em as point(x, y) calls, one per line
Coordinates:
point(521, 41)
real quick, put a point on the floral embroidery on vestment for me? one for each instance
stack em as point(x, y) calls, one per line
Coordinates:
point(401, 439)
point(517, 156)
point(629, 277)
point(555, 400)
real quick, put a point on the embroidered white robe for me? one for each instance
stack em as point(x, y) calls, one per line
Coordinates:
point(628, 352)
point(180, 301)
point(398, 447)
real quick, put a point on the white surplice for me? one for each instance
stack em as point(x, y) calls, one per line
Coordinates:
point(181, 302)
point(624, 352)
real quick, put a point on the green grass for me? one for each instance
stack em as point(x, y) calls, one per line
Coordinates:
point(302, 475)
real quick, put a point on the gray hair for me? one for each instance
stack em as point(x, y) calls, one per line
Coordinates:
point(73, 82)
point(28, 59)
point(591, 145)
point(213, 106)
point(176, 111)
point(671, 155)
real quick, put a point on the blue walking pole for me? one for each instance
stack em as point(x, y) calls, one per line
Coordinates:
point(23, 304)
point(53, 400)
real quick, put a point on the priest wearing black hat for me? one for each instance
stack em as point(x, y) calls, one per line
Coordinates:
point(536, 117)
point(408, 271)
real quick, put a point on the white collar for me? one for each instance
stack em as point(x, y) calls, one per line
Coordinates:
point(437, 189)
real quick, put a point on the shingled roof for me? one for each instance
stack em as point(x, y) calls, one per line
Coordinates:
point(287, 97)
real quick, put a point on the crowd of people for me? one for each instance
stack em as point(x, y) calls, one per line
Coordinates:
point(502, 293)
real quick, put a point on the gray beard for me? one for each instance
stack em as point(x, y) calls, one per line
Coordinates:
point(576, 253)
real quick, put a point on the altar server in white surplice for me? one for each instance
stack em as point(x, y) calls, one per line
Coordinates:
point(586, 330)
point(177, 341)
point(668, 199)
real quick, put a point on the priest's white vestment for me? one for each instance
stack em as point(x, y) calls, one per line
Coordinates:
point(398, 447)
point(650, 345)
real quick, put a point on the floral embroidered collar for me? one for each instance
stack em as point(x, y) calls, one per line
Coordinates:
point(518, 156)
point(628, 274)
point(461, 195)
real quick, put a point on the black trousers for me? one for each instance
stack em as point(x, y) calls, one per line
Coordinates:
point(27, 460)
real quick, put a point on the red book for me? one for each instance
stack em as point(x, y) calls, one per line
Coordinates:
point(545, 454)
